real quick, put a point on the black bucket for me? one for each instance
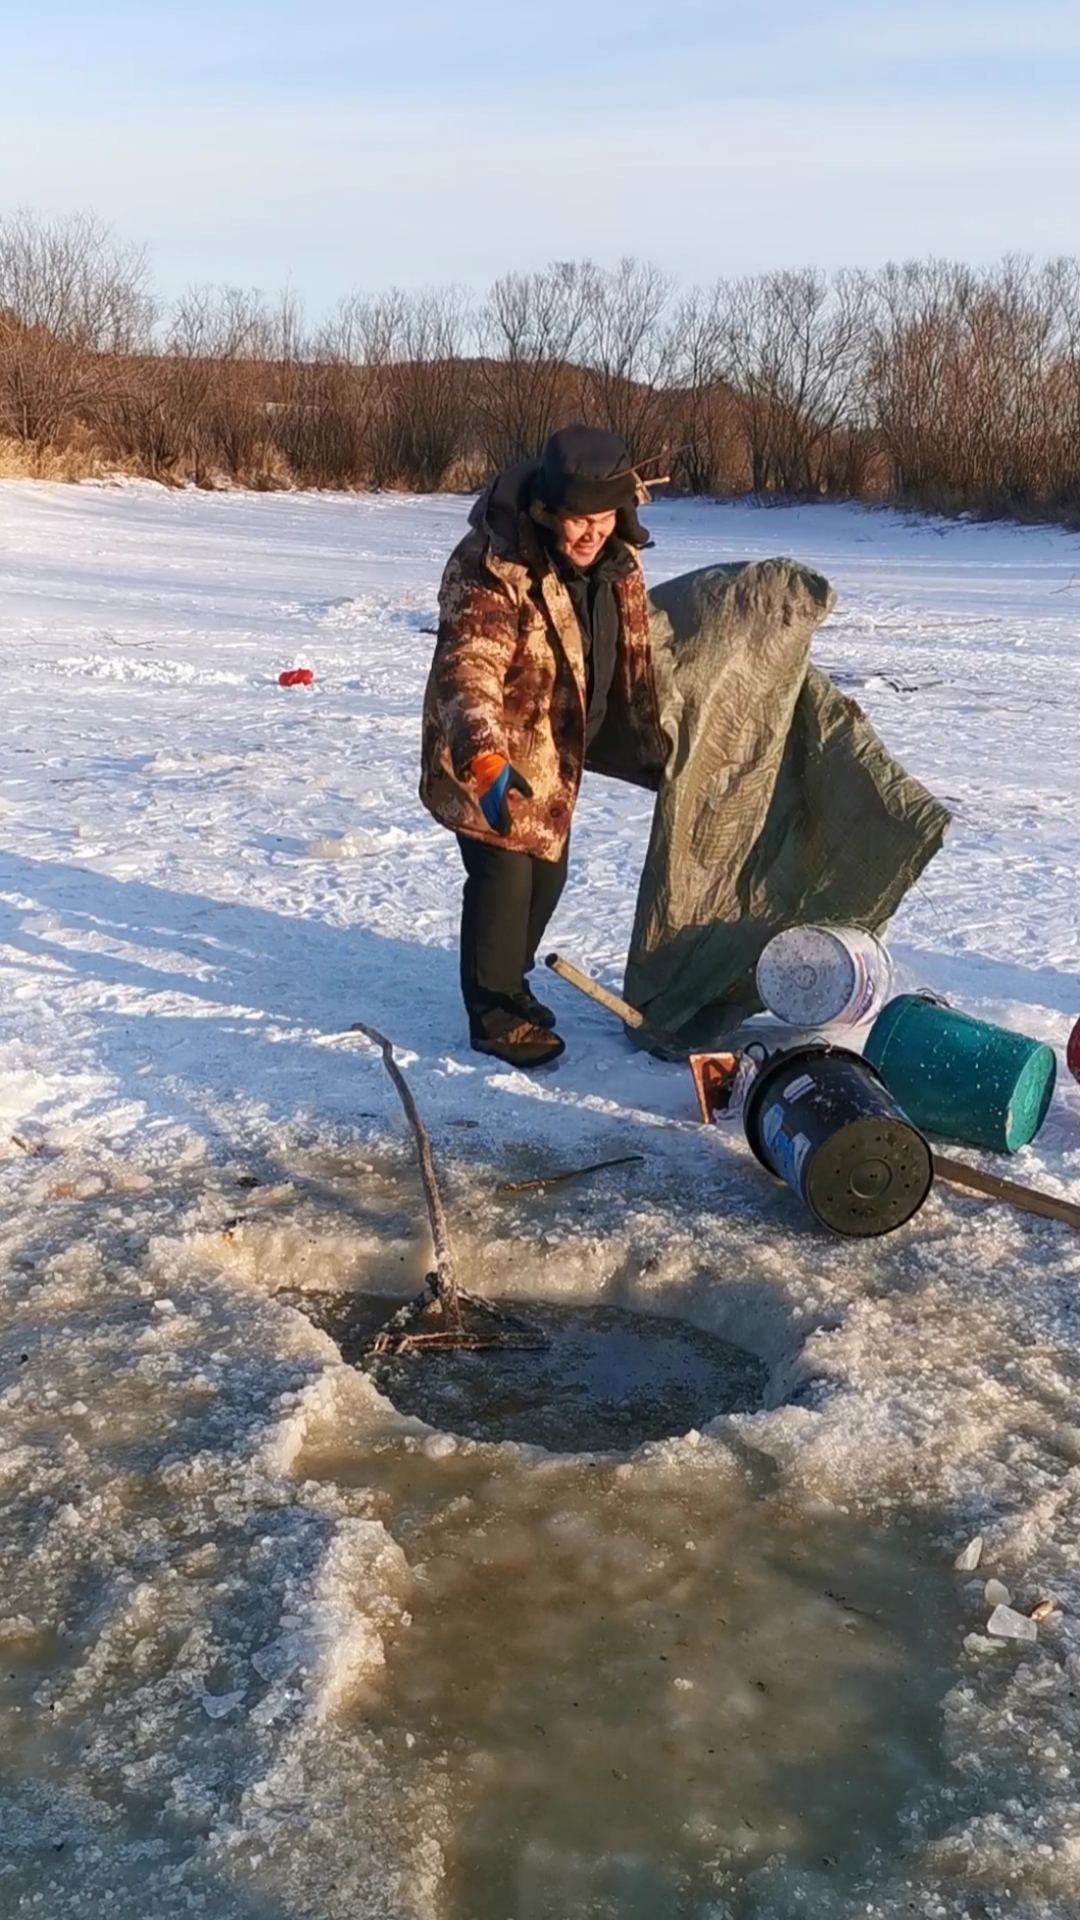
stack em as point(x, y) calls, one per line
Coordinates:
point(821, 1118)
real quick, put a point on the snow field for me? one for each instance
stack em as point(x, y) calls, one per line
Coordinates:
point(207, 1563)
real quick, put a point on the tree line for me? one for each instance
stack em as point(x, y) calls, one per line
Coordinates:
point(931, 383)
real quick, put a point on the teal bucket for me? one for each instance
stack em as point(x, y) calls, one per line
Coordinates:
point(962, 1078)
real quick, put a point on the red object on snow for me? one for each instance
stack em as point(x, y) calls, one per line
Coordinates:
point(296, 677)
point(1073, 1052)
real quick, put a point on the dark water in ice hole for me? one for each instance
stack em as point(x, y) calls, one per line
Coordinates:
point(640, 1680)
point(608, 1380)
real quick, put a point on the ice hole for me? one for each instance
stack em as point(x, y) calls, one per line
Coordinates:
point(648, 1688)
point(637, 1679)
point(609, 1380)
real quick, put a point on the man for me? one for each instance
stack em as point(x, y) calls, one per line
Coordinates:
point(541, 668)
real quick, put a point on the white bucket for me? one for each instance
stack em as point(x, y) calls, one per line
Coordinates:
point(825, 976)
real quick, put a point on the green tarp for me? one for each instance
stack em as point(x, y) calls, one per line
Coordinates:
point(779, 804)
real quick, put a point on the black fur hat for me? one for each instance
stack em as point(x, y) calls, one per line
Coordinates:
point(587, 470)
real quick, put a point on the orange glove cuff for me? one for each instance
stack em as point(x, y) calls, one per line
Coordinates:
point(485, 770)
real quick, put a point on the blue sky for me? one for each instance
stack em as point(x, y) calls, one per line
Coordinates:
point(342, 146)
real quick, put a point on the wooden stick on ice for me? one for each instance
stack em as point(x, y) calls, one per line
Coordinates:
point(1026, 1199)
point(446, 1286)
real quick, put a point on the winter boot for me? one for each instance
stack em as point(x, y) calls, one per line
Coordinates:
point(532, 1009)
point(510, 1037)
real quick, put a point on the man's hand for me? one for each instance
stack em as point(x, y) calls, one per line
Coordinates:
point(494, 778)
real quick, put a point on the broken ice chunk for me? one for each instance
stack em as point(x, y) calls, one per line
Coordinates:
point(997, 1594)
point(17, 1626)
point(351, 846)
point(968, 1560)
point(1006, 1624)
point(279, 1661)
point(217, 1705)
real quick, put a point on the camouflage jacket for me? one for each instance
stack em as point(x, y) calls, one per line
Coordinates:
point(508, 677)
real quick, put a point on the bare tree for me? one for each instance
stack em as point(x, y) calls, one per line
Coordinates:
point(944, 385)
point(182, 413)
point(73, 300)
point(1062, 282)
point(630, 350)
point(529, 329)
point(793, 348)
point(700, 410)
point(915, 351)
point(74, 280)
point(420, 425)
point(967, 377)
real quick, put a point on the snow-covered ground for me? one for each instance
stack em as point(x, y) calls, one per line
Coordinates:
point(217, 1539)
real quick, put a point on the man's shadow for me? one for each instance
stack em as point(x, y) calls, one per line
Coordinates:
point(195, 999)
point(214, 1013)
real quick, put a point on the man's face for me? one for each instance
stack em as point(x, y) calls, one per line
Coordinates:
point(581, 536)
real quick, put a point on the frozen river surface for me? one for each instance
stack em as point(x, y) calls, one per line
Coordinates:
point(274, 1643)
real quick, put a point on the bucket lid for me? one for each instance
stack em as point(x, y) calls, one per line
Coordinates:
point(806, 976)
point(1031, 1099)
point(870, 1178)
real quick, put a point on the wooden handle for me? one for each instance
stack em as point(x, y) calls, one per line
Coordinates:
point(575, 978)
point(1026, 1199)
point(447, 1289)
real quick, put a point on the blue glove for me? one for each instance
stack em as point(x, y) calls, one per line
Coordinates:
point(495, 778)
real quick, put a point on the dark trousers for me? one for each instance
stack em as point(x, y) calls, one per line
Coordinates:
point(507, 901)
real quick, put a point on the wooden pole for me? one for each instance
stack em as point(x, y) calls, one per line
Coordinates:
point(594, 991)
point(445, 1276)
point(663, 1043)
point(957, 1173)
point(572, 1173)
